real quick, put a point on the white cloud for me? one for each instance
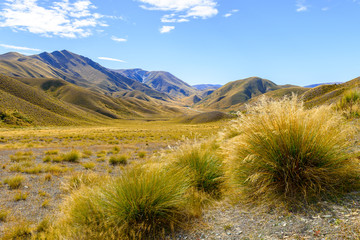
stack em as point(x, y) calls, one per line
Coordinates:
point(116, 39)
point(111, 59)
point(229, 14)
point(325, 9)
point(171, 18)
point(68, 19)
point(19, 48)
point(301, 6)
point(166, 29)
point(182, 10)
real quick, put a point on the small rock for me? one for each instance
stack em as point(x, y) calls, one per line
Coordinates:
point(26, 187)
point(284, 225)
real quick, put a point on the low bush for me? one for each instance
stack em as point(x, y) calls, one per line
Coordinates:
point(284, 153)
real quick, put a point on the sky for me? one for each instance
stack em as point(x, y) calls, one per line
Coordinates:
point(298, 42)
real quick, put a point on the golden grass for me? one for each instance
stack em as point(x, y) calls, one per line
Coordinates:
point(350, 103)
point(281, 153)
point(118, 159)
point(140, 204)
point(124, 131)
point(204, 166)
point(14, 182)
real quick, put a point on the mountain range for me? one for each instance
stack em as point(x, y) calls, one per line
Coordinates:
point(64, 88)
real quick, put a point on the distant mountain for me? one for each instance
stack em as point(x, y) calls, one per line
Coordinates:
point(202, 87)
point(75, 69)
point(161, 81)
point(318, 84)
point(237, 92)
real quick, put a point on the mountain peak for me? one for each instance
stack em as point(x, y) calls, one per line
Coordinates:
point(11, 56)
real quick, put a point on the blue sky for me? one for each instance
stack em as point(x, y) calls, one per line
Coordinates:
point(200, 41)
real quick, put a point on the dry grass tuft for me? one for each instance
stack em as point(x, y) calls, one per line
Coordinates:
point(15, 181)
point(204, 166)
point(283, 153)
point(118, 159)
point(140, 204)
point(350, 103)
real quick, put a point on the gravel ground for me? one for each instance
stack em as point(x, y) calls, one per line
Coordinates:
point(333, 221)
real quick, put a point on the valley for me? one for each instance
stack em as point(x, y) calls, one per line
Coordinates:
point(75, 136)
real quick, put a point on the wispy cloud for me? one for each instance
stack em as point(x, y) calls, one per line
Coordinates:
point(325, 9)
point(116, 39)
point(182, 10)
point(62, 18)
point(166, 29)
point(111, 59)
point(19, 48)
point(229, 14)
point(301, 6)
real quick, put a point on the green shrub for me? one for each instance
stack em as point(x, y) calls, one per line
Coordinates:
point(205, 168)
point(286, 154)
point(140, 204)
point(118, 159)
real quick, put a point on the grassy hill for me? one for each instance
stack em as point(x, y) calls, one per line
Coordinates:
point(44, 101)
point(327, 94)
point(237, 92)
point(17, 98)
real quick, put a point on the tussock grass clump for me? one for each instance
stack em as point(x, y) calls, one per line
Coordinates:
point(22, 156)
point(15, 181)
point(139, 205)
point(284, 153)
point(78, 179)
point(350, 103)
point(3, 215)
point(118, 159)
point(22, 230)
point(205, 168)
point(20, 196)
point(72, 156)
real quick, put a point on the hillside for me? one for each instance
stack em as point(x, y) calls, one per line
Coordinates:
point(31, 106)
point(161, 81)
point(72, 68)
point(328, 94)
point(237, 92)
point(46, 101)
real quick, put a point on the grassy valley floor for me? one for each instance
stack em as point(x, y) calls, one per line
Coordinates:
point(40, 167)
point(38, 171)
